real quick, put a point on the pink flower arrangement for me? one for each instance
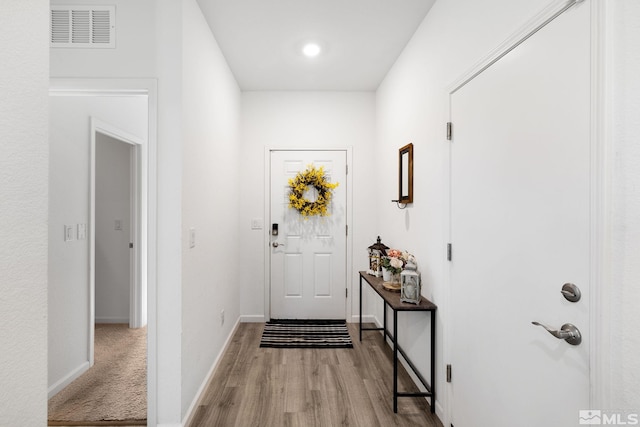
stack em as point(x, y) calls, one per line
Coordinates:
point(394, 253)
point(396, 260)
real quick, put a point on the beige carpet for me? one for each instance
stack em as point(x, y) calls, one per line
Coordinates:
point(114, 390)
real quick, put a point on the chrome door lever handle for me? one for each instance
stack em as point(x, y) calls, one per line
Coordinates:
point(558, 334)
point(567, 332)
point(276, 244)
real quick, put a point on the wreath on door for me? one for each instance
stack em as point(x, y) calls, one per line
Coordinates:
point(298, 187)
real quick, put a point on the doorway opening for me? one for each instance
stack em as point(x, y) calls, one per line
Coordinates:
point(83, 114)
point(119, 257)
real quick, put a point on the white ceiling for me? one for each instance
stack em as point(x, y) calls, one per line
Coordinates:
point(361, 39)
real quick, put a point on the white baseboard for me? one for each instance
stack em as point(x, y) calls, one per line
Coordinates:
point(253, 318)
point(112, 320)
point(199, 394)
point(439, 411)
point(68, 379)
point(367, 318)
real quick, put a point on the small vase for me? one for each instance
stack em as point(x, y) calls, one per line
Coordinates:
point(389, 277)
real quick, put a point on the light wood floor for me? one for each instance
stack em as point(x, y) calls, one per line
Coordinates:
point(269, 387)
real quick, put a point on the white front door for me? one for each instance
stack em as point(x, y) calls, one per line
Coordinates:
point(520, 229)
point(308, 256)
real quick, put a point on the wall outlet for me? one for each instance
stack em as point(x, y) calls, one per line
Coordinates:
point(222, 318)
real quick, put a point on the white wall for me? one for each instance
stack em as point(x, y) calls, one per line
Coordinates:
point(23, 196)
point(169, 222)
point(210, 195)
point(625, 214)
point(148, 40)
point(134, 55)
point(412, 106)
point(69, 167)
point(112, 256)
point(303, 120)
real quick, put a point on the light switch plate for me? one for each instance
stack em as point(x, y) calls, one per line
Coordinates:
point(82, 231)
point(68, 233)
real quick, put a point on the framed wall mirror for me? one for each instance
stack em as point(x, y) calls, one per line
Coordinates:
point(405, 193)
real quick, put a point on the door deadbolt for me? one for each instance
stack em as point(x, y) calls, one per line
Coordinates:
point(571, 292)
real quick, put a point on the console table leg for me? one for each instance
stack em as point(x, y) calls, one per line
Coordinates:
point(360, 300)
point(433, 361)
point(395, 362)
point(384, 321)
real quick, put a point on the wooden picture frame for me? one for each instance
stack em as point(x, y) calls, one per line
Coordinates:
point(405, 174)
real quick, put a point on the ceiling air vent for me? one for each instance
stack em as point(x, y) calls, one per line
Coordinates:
point(83, 26)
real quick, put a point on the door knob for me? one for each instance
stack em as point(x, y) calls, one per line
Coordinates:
point(276, 244)
point(567, 332)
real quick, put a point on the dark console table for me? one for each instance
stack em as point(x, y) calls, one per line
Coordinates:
point(392, 300)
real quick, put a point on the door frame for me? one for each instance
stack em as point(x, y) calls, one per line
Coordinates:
point(601, 142)
point(149, 88)
point(348, 220)
point(137, 291)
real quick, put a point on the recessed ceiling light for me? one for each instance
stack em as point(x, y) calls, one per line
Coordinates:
point(311, 50)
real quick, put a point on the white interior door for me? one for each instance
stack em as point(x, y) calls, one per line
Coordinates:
point(308, 256)
point(520, 222)
point(114, 266)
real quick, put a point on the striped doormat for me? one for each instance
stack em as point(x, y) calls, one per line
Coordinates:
point(286, 333)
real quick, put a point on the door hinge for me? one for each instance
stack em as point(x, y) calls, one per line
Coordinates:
point(449, 251)
point(449, 131)
point(346, 230)
point(130, 245)
point(346, 167)
point(346, 292)
point(448, 373)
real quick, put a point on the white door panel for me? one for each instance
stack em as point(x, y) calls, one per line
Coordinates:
point(520, 186)
point(308, 267)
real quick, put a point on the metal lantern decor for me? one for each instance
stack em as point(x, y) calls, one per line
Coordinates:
point(376, 252)
point(410, 284)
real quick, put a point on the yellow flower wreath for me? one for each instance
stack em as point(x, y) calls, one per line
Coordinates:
point(300, 184)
